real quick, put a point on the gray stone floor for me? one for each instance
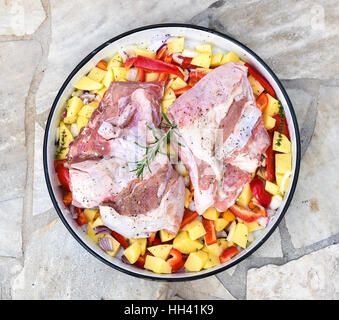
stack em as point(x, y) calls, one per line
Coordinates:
point(42, 40)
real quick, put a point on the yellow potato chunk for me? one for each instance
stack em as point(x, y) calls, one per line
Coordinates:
point(245, 196)
point(230, 57)
point(165, 104)
point(272, 106)
point(223, 244)
point(101, 92)
point(169, 94)
point(202, 60)
point(142, 243)
point(91, 232)
point(74, 105)
point(216, 60)
point(119, 73)
point(211, 214)
point(212, 261)
point(176, 45)
point(88, 109)
point(272, 188)
point(257, 88)
point(185, 244)
point(196, 261)
point(98, 222)
point(97, 74)
point(283, 163)
point(280, 178)
point(204, 48)
point(82, 122)
point(115, 61)
point(145, 53)
point(91, 214)
point(240, 235)
point(115, 245)
point(178, 83)
point(151, 76)
point(253, 226)
point(65, 138)
point(157, 265)
point(187, 196)
point(133, 252)
point(86, 83)
point(220, 224)
point(212, 249)
point(269, 122)
point(165, 236)
point(228, 215)
point(161, 251)
point(281, 143)
point(195, 230)
point(108, 78)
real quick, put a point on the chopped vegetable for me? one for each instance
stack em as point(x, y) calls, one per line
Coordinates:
point(259, 192)
point(245, 214)
point(210, 236)
point(228, 254)
point(102, 64)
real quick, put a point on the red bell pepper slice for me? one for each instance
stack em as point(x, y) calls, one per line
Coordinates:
point(67, 198)
point(121, 239)
point(197, 75)
point(262, 102)
point(259, 192)
point(185, 62)
point(245, 214)
point(176, 261)
point(140, 263)
point(169, 58)
point(129, 62)
point(151, 238)
point(180, 91)
point(151, 64)
point(81, 216)
point(261, 79)
point(63, 176)
point(281, 125)
point(210, 235)
point(270, 160)
point(141, 75)
point(163, 76)
point(188, 217)
point(228, 254)
point(161, 54)
point(58, 164)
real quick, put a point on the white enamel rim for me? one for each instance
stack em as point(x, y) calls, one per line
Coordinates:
point(143, 36)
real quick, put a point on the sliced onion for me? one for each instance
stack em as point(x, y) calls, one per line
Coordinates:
point(177, 58)
point(74, 130)
point(221, 234)
point(132, 74)
point(159, 44)
point(105, 243)
point(73, 212)
point(189, 53)
point(186, 75)
point(275, 202)
point(262, 221)
point(87, 97)
point(125, 260)
point(169, 84)
point(64, 115)
point(71, 143)
point(130, 51)
point(124, 55)
point(191, 206)
point(101, 230)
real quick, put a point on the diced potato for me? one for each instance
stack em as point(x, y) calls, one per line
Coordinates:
point(88, 109)
point(202, 60)
point(220, 224)
point(211, 214)
point(223, 244)
point(74, 105)
point(162, 250)
point(240, 235)
point(142, 243)
point(65, 138)
point(272, 106)
point(119, 73)
point(165, 236)
point(115, 245)
point(281, 143)
point(195, 230)
point(91, 232)
point(82, 122)
point(101, 92)
point(187, 196)
point(253, 226)
point(216, 60)
point(132, 253)
point(98, 222)
point(228, 215)
point(204, 70)
point(91, 214)
point(283, 163)
point(272, 188)
point(204, 48)
point(86, 83)
point(230, 57)
point(212, 261)
point(151, 76)
point(196, 261)
point(115, 61)
point(212, 249)
point(257, 88)
point(165, 104)
point(97, 74)
point(108, 78)
point(245, 196)
point(178, 83)
point(231, 230)
point(279, 178)
point(157, 265)
point(184, 244)
point(176, 45)
point(145, 53)
point(269, 122)
point(169, 94)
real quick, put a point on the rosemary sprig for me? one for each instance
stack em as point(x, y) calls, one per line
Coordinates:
point(160, 138)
